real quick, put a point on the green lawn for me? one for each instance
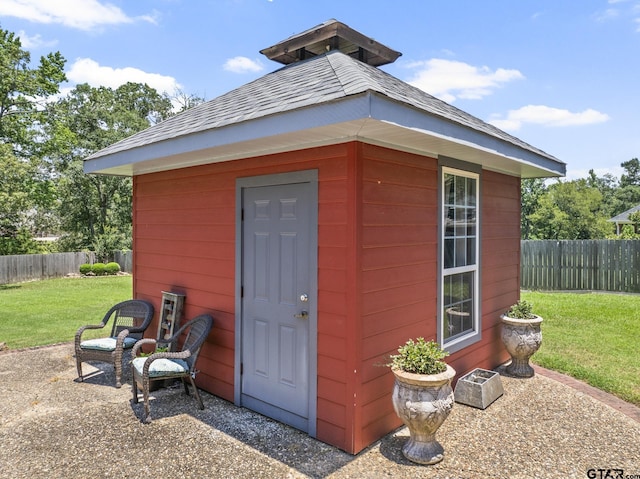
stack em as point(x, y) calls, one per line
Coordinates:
point(50, 311)
point(592, 337)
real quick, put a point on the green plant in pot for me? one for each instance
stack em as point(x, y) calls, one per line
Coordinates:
point(422, 397)
point(522, 336)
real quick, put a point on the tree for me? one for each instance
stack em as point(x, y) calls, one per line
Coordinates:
point(631, 177)
point(183, 101)
point(627, 195)
point(570, 210)
point(531, 191)
point(607, 185)
point(24, 92)
point(95, 210)
point(635, 220)
point(28, 192)
point(625, 198)
point(18, 197)
point(47, 189)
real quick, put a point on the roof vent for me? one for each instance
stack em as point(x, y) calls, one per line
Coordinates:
point(331, 35)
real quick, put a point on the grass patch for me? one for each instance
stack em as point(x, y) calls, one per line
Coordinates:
point(50, 311)
point(592, 337)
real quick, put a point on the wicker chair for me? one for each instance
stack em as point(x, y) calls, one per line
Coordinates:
point(129, 321)
point(173, 364)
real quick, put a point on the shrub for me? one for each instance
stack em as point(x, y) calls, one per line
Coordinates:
point(99, 269)
point(420, 357)
point(85, 268)
point(521, 310)
point(112, 268)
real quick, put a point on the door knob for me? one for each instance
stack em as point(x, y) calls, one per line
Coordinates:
point(302, 315)
point(304, 297)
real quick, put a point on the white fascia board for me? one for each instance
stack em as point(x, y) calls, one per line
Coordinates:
point(342, 111)
point(367, 117)
point(477, 142)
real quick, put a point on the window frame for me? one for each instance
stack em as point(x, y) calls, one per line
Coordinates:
point(458, 342)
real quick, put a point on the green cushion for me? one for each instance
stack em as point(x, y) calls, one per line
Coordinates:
point(106, 344)
point(162, 367)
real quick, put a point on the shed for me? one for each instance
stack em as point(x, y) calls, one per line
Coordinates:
point(325, 213)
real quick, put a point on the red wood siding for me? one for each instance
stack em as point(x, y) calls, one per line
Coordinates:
point(398, 274)
point(377, 269)
point(184, 240)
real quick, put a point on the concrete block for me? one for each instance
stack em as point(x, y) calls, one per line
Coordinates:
point(478, 388)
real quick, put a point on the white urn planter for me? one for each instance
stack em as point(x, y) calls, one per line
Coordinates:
point(521, 338)
point(423, 402)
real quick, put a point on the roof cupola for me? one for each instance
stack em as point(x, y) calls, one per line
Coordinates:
point(331, 35)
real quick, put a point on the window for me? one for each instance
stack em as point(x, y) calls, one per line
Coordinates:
point(459, 321)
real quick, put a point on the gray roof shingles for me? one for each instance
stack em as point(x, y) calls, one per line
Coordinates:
point(624, 216)
point(318, 80)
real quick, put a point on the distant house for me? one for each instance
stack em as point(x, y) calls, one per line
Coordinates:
point(623, 219)
point(324, 214)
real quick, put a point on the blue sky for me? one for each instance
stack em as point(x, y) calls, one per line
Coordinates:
point(562, 75)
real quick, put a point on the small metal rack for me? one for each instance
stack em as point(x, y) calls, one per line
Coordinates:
point(170, 314)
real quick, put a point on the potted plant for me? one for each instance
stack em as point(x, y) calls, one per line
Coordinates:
point(422, 397)
point(522, 337)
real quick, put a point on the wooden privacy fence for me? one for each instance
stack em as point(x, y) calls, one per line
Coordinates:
point(605, 265)
point(18, 268)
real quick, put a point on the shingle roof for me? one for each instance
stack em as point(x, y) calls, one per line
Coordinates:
point(624, 217)
point(319, 80)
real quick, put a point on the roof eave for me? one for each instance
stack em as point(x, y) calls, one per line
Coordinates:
point(367, 117)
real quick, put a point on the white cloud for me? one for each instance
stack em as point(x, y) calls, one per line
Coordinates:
point(449, 79)
point(80, 14)
point(608, 14)
point(631, 10)
point(547, 116)
point(86, 70)
point(242, 65)
point(35, 41)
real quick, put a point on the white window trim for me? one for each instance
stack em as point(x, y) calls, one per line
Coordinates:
point(474, 335)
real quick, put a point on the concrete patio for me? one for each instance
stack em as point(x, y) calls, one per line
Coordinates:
point(53, 426)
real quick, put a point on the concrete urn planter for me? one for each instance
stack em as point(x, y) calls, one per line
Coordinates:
point(423, 402)
point(522, 338)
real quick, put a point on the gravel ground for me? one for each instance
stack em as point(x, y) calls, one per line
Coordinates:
point(54, 427)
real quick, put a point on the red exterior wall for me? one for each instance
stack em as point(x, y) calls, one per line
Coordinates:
point(184, 240)
point(377, 268)
point(399, 271)
point(398, 252)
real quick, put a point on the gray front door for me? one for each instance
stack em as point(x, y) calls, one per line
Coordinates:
point(277, 301)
